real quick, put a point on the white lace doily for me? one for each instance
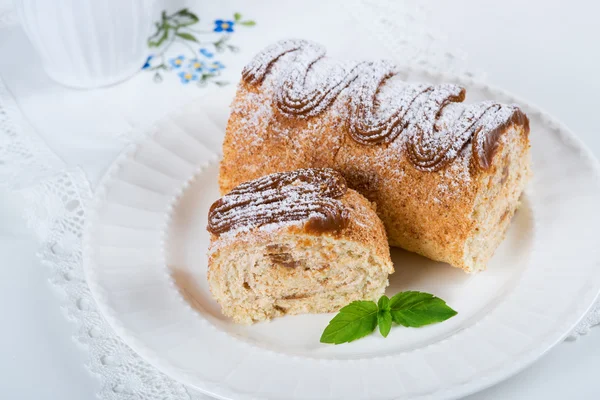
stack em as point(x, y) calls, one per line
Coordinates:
point(57, 195)
point(56, 198)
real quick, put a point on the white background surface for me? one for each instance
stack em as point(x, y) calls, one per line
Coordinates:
point(546, 52)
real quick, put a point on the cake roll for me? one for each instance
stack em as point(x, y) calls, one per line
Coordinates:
point(295, 242)
point(445, 175)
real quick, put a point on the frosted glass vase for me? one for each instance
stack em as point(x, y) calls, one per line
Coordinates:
point(88, 43)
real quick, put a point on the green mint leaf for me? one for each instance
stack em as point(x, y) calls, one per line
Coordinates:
point(183, 17)
point(354, 321)
point(248, 23)
point(237, 17)
point(384, 317)
point(415, 309)
point(383, 303)
point(384, 320)
point(186, 36)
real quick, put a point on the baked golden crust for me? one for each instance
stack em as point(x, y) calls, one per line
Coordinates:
point(430, 211)
point(365, 227)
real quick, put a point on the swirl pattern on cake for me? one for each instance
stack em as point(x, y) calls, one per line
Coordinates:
point(312, 82)
point(304, 195)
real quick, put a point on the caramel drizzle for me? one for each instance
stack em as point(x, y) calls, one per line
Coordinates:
point(295, 97)
point(369, 125)
point(423, 149)
point(416, 109)
point(256, 71)
point(308, 195)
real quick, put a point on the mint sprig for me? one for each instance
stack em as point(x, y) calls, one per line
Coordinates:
point(415, 309)
point(409, 309)
point(384, 315)
point(354, 321)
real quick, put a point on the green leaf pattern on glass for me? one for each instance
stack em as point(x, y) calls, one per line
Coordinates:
point(187, 36)
point(198, 65)
point(183, 17)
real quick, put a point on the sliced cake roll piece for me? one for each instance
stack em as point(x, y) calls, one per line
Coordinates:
point(295, 242)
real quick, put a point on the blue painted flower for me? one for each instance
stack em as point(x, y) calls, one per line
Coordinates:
point(177, 61)
point(223, 25)
point(187, 76)
point(197, 65)
point(215, 66)
point(206, 53)
point(147, 63)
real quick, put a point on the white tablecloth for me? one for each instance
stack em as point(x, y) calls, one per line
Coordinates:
point(543, 51)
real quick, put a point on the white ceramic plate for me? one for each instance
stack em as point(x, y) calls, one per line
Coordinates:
point(145, 257)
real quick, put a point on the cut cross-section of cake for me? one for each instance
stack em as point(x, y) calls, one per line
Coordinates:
point(295, 242)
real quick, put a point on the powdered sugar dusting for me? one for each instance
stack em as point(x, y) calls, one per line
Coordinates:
point(256, 69)
point(259, 118)
point(381, 107)
point(306, 195)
